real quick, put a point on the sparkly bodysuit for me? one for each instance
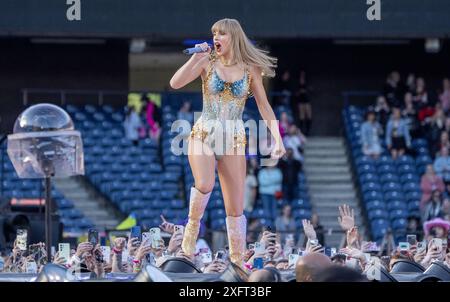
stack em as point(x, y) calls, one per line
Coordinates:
point(220, 125)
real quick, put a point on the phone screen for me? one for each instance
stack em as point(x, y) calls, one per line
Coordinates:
point(411, 239)
point(136, 232)
point(146, 238)
point(155, 233)
point(258, 263)
point(64, 251)
point(93, 237)
point(106, 251)
point(22, 239)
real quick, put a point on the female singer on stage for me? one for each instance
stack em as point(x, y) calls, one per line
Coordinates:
point(230, 74)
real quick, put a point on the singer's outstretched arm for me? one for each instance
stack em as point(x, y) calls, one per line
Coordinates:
point(193, 68)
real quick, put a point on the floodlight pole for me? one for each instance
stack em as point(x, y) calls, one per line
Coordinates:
point(48, 220)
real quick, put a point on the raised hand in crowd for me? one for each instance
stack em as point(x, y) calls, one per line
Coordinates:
point(133, 245)
point(215, 267)
point(166, 226)
point(308, 228)
point(58, 259)
point(181, 254)
point(268, 238)
point(353, 238)
point(116, 263)
point(175, 243)
point(433, 253)
point(346, 217)
point(83, 248)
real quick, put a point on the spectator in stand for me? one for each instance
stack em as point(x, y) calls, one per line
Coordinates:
point(250, 192)
point(434, 126)
point(302, 102)
point(285, 87)
point(429, 183)
point(444, 96)
point(409, 112)
point(434, 207)
point(285, 223)
point(185, 114)
point(410, 83)
point(270, 181)
point(398, 139)
point(442, 165)
point(295, 140)
point(285, 123)
point(132, 124)
point(447, 124)
point(443, 142)
point(413, 227)
point(420, 95)
point(153, 120)
point(370, 136)
point(437, 228)
point(392, 89)
point(290, 168)
point(382, 110)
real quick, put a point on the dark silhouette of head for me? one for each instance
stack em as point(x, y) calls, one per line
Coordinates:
point(338, 273)
point(308, 266)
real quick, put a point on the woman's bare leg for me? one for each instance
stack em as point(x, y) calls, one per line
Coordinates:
point(202, 163)
point(231, 171)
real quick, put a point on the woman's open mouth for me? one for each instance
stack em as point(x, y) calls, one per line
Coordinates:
point(218, 46)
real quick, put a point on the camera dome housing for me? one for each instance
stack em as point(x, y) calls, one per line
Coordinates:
point(45, 144)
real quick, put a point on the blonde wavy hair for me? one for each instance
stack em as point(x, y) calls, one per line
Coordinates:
point(243, 50)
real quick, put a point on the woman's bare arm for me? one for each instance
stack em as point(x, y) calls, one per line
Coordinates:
point(263, 104)
point(191, 70)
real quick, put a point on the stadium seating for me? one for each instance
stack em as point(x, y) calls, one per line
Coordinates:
point(389, 188)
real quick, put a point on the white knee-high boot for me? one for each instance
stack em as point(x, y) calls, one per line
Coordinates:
point(197, 206)
point(237, 238)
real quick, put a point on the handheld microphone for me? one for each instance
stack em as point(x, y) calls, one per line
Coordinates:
point(190, 51)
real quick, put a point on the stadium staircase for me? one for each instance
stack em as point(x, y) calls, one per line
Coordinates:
point(330, 184)
point(86, 199)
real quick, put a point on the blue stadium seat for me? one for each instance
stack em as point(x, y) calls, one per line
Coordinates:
point(398, 214)
point(385, 160)
point(405, 160)
point(406, 168)
point(388, 177)
point(415, 195)
point(394, 195)
point(384, 168)
point(373, 195)
point(396, 205)
point(377, 214)
point(399, 224)
point(370, 186)
point(392, 186)
point(410, 177)
point(220, 213)
point(301, 214)
point(301, 204)
point(375, 205)
point(368, 177)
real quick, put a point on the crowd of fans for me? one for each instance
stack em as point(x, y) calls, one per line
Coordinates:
point(273, 252)
point(405, 111)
